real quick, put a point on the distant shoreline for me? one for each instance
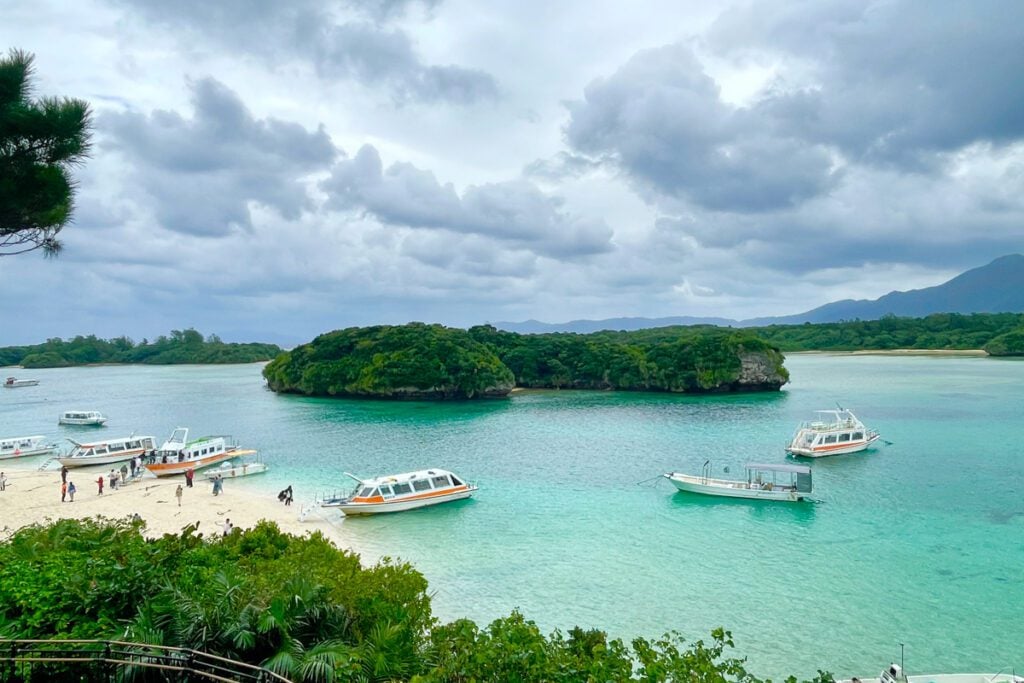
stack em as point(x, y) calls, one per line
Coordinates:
point(894, 352)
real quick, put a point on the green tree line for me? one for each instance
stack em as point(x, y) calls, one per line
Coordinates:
point(182, 346)
point(433, 361)
point(304, 609)
point(999, 334)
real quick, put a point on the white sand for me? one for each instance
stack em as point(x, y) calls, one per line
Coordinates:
point(33, 496)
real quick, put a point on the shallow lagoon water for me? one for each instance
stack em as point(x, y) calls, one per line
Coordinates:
point(920, 542)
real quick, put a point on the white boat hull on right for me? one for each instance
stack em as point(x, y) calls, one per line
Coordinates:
point(731, 489)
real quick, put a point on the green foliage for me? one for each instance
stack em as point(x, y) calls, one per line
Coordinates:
point(408, 361)
point(304, 609)
point(40, 141)
point(183, 346)
point(431, 361)
point(938, 331)
point(1007, 344)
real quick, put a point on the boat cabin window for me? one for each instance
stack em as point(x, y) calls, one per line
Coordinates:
point(385, 491)
point(421, 485)
point(402, 489)
point(831, 438)
point(455, 481)
point(116, 447)
point(365, 493)
point(843, 438)
point(857, 436)
point(441, 481)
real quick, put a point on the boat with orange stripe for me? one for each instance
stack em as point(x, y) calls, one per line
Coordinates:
point(179, 455)
point(833, 433)
point(400, 492)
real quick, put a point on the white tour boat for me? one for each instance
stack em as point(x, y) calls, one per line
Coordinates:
point(25, 446)
point(179, 455)
point(833, 433)
point(764, 482)
point(14, 382)
point(81, 417)
point(895, 674)
point(108, 451)
point(398, 492)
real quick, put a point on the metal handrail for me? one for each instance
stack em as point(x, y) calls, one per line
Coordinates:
point(117, 653)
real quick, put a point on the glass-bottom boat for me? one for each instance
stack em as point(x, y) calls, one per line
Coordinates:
point(399, 492)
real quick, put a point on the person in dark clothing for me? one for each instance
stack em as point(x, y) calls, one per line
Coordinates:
point(190, 473)
point(63, 473)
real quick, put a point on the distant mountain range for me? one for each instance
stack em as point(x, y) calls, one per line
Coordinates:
point(994, 288)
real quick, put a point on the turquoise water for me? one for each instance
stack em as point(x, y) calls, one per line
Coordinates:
point(920, 542)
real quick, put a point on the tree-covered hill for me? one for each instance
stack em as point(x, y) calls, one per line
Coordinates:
point(409, 361)
point(183, 346)
point(432, 361)
point(941, 331)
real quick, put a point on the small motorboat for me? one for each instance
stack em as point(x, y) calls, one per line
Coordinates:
point(14, 382)
point(89, 418)
point(25, 447)
point(782, 482)
point(108, 451)
point(834, 432)
point(178, 454)
point(399, 492)
point(233, 470)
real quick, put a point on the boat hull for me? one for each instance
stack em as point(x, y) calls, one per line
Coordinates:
point(91, 422)
point(353, 509)
point(170, 469)
point(28, 453)
point(18, 383)
point(731, 489)
point(243, 470)
point(830, 449)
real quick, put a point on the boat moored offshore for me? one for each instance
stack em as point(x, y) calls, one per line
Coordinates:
point(108, 451)
point(14, 383)
point(782, 482)
point(89, 418)
point(178, 455)
point(25, 447)
point(399, 492)
point(834, 432)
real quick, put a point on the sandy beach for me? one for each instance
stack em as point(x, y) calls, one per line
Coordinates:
point(34, 496)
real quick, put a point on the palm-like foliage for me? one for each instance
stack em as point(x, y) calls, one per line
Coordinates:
point(40, 140)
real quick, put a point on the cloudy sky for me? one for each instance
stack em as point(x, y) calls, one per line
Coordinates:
point(269, 170)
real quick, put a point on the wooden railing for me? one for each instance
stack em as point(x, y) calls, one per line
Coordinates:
point(117, 661)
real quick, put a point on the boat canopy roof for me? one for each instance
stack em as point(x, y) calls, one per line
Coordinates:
point(403, 477)
point(796, 469)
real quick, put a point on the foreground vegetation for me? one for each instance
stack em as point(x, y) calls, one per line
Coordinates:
point(1000, 334)
point(304, 609)
point(432, 361)
point(183, 346)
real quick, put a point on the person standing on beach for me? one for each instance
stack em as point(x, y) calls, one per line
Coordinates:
point(227, 527)
point(3, 481)
point(63, 491)
point(190, 473)
point(71, 491)
point(111, 479)
point(131, 466)
point(63, 473)
point(124, 474)
point(99, 482)
point(177, 494)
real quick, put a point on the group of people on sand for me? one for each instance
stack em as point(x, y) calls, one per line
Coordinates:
point(285, 496)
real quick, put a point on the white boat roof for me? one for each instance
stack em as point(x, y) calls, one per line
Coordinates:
point(772, 467)
point(84, 412)
point(90, 444)
point(21, 438)
point(403, 477)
